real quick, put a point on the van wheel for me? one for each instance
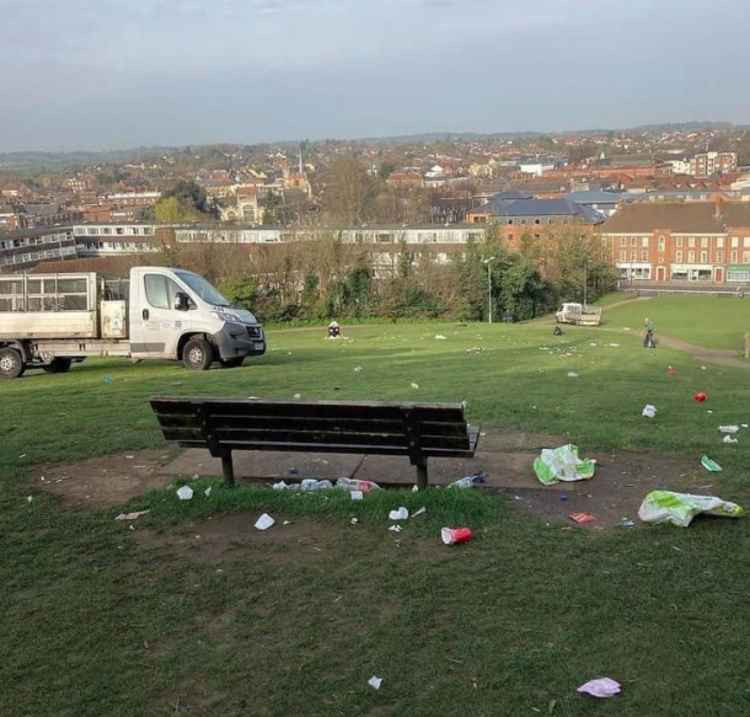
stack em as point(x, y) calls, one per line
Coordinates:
point(11, 363)
point(198, 354)
point(235, 362)
point(58, 365)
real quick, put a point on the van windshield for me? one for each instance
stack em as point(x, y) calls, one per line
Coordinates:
point(201, 287)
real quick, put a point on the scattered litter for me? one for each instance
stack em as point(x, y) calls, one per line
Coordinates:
point(421, 511)
point(253, 398)
point(132, 516)
point(614, 346)
point(671, 371)
point(207, 492)
point(107, 379)
point(129, 458)
point(415, 488)
point(312, 485)
point(287, 522)
point(354, 484)
point(601, 687)
point(745, 425)
point(454, 536)
point(23, 455)
point(264, 522)
point(357, 495)
point(710, 465)
point(700, 396)
point(709, 411)
point(395, 528)
point(729, 439)
point(627, 523)
point(401, 514)
point(29, 498)
point(185, 493)
point(649, 411)
point(582, 518)
point(414, 385)
point(469, 481)
point(354, 521)
point(563, 463)
point(375, 682)
point(703, 368)
point(280, 485)
point(297, 396)
point(729, 429)
point(663, 506)
point(440, 337)
point(357, 369)
point(563, 496)
point(572, 374)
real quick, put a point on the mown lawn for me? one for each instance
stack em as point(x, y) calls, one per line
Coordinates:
point(718, 322)
point(96, 622)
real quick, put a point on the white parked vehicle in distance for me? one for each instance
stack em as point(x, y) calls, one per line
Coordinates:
point(578, 314)
point(51, 320)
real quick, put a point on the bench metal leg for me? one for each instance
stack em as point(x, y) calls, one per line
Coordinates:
point(422, 475)
point(227, 468)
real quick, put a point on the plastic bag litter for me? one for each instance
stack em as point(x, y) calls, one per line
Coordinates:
point(414, 385)
point(440, 337)
point(132, 516)
point(563, 464)
point(649, 411)
point(357, 495)
point(312, 485)
point(572, 374)
point(264, 522)
point(729, 439)
point(375, 682)
point(354, 484)
point(729, 429)
point(395, 528)
point(207, 492)
point(280, 485)
point(469, 481)
point(402, 513)
point(600, 687)
point(185, 493)
point(710, 465)
point(700, 397)
point(663, 506)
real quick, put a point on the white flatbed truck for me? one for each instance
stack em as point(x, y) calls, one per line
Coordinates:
point(579, 314)
point(50, 321)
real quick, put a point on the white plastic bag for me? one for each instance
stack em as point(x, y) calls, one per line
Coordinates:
point(649, 411)
point(664, 506)
point(401, 514)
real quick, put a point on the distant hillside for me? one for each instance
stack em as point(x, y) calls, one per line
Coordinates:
point(21, 160)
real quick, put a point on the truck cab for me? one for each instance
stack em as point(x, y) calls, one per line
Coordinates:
point(176, 314)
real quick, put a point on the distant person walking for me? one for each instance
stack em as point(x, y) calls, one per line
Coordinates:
point(648, 339)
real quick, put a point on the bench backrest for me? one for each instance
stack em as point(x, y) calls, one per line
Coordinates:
point(386, 427)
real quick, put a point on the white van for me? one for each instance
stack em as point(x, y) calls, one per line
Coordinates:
point(51, 320)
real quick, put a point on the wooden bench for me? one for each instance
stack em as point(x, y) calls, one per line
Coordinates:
point(417, 430)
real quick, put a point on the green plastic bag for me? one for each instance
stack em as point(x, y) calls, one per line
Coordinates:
point(563, 464)
point(664, 506)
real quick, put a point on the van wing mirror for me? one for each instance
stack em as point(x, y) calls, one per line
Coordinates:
point(182, 301)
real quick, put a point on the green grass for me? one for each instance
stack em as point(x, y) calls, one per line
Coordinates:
point(96, 622)
point(718, 322)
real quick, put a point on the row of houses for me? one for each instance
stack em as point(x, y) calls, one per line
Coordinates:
point(684, 244)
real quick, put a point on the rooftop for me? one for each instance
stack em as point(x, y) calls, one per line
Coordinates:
point(681, 217)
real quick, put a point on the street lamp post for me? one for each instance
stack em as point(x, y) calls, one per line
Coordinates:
point(489, 287)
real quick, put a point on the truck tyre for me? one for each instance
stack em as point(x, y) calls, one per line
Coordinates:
point(11, 363)
point(235, 362)
point(58, 365)
point(198, 354)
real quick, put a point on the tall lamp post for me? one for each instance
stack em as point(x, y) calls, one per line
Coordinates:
point(489, 287)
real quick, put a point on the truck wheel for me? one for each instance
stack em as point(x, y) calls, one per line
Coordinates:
point(58, 365)
point(11, 363)
point(198, 354)
point(233, 362)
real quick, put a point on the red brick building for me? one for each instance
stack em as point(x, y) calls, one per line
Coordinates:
point(690, 244)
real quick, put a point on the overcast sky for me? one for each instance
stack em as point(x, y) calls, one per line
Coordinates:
point(102, 74)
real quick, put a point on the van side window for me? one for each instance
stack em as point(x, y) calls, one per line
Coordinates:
point(160, 291)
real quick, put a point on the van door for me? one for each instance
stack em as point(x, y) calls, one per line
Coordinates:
point(155, 324)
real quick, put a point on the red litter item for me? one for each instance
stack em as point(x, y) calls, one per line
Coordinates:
point(671, 371)
point(582, 517)
point(454, 536)
point(700, 397)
